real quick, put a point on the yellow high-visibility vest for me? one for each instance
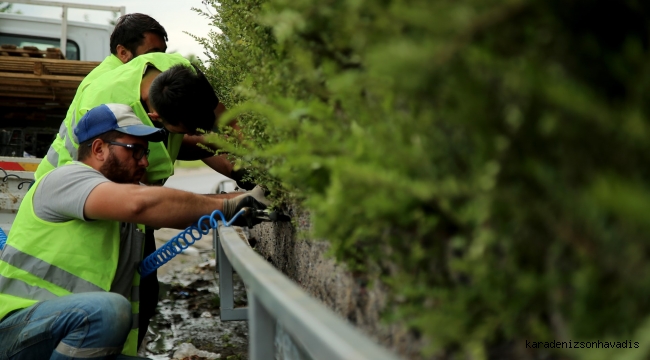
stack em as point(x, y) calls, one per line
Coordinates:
point(43, 260)
point(122, 86)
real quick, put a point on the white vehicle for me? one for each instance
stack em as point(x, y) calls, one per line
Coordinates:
point(84, 41)
point(42, 62)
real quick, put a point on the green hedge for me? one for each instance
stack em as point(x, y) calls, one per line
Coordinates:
point(488, 160)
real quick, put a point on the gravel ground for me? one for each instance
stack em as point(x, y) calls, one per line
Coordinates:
point(187, 325)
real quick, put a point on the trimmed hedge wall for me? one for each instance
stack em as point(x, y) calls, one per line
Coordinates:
point(488, 160)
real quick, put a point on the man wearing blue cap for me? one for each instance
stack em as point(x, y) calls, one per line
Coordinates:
point(68, 272)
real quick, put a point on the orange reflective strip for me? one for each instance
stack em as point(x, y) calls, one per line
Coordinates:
point(18, 166)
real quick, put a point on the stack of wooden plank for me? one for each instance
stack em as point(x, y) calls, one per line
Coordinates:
point(29, 77)
point(30, 51)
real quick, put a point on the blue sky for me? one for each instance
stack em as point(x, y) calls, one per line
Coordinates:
point(174, 15)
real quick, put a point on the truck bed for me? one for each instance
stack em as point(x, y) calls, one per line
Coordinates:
point(35, 93)
point(47, 83)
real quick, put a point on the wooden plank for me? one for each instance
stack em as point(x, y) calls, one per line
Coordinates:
point(54, 66)
point(38, 68)
point(54, 53)
point(31, 78)
point(42, 89)
point(9, 75)
point(26, 68)
point(17, 91)
point(62, 67)
point(31, 51)
point(49, 97)
point(49, 84)
point(46, 102)
point(23, 52)
point(52, 61)
point(70, 67)
point(62, 71)
point(37, 87)
point(23, 83)
point(30, 103)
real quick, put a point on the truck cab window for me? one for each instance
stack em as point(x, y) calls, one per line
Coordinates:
point(72, 49)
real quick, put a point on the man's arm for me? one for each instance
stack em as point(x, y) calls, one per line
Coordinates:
point(195, 147)
point(219, 110)
point(191, 150)
point(153, 206)
point(220, 164)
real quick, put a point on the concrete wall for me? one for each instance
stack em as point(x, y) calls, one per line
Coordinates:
point(305, 261)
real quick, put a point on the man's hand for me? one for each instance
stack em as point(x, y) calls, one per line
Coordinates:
point(254, 200)
point(238, 176)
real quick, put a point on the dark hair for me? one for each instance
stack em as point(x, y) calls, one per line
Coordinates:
point(129, 31)
point(182, 95)
point(84, 150)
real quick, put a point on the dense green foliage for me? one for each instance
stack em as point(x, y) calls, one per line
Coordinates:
point(488, 160)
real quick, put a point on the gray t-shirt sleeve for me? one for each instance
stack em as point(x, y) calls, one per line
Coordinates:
point(61, 194)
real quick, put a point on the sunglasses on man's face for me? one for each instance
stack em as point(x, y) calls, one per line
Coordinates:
point(138, 150)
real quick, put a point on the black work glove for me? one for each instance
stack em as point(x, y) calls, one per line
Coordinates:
point(253, 200)
point(238, 176)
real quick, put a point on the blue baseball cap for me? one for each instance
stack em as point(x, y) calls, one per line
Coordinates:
point(118, 117)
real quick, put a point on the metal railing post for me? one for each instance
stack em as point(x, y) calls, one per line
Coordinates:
point(261, 330)
point(64, 30)
point(226, 291)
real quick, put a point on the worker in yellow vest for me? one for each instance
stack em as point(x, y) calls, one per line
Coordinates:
point(189, 101)
point(73, 295)
point(134, 35)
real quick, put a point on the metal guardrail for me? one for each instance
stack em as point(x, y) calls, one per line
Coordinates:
point(273, 298)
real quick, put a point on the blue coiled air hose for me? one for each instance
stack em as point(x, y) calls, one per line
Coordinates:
point(181, 242)
point(3, 239)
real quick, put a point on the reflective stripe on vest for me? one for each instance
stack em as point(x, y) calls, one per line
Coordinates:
point(77, 353)
point(63, 130)
point(52, 157)
point(19, 288)
point(48, 272)
point(70, 137)
point(72, 150)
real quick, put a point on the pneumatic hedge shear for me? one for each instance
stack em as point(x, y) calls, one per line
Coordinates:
point(253, 216)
